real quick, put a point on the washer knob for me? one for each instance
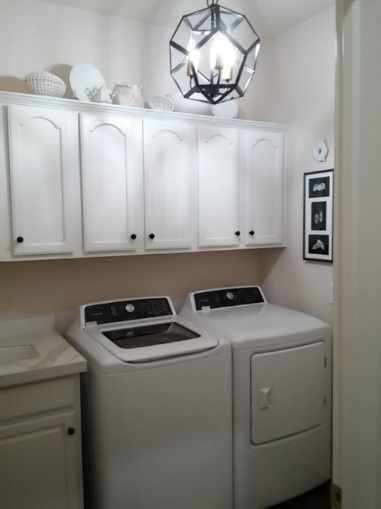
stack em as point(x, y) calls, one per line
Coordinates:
point(134, 236)
point(151, 236)
point(130, 308)
point(251, 233)
point(20, 240)
point(230, 296)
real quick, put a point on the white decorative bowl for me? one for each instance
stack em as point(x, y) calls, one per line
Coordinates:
point(46, 83)
point(161, 103)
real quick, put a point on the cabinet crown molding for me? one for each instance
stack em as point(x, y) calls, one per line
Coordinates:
point(16, 98)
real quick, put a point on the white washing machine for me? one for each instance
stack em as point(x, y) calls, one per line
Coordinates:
point(281, 393)
point(157, 408)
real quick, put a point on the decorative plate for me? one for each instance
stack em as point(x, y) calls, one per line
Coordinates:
point(86, 81)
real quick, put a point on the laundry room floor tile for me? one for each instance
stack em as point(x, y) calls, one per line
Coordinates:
point(317, 499)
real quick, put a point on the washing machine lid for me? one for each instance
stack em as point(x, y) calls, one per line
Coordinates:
point(243, 314)
point(143, 330)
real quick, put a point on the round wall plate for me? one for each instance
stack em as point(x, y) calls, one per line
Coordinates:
point(321, 151)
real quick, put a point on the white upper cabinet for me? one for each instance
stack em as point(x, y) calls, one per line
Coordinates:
point(218, 187)
point(263, 184)
point(96, 179)
point(44, 180)
point(169, 169)
point(112, 182)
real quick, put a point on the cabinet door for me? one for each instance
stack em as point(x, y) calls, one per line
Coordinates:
point(218, 188)
point(264, 187)
point(169, 159)
point(44, 180)
point(112, 180)
point(39, 465)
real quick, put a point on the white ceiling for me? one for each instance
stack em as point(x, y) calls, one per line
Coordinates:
point(268, 16)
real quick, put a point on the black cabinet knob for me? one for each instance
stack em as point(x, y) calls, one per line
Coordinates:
point(151, 236)
point(238, 234)
point(134, 236)
point(252, 233)
point(71, 432)
point(20, 240)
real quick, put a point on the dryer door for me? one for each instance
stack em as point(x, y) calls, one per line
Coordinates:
point(288, 392)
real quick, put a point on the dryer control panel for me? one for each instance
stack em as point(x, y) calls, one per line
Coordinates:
point(228, 297)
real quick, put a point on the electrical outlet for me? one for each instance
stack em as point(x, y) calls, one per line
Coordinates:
point(336, 497)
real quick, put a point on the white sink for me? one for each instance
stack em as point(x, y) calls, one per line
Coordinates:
point(12, 354)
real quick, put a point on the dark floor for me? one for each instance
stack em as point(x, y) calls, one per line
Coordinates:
point(318, 499)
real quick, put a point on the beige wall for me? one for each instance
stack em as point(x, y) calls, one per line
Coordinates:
point(60, 287)
point(40, 35)
point(295, 84)
point(301, 92)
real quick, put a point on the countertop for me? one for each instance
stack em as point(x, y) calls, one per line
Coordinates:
point(43, 356)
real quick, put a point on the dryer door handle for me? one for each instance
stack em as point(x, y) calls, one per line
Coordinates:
point(265, 398)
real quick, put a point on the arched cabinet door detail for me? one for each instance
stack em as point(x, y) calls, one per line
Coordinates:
point(218, 187)
point(112, 183)
point(44, 180)
point(169, 168)
point(264, 187)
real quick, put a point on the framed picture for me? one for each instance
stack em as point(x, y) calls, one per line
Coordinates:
point(318, 216)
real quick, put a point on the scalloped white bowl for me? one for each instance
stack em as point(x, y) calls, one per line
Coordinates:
point(46, 83)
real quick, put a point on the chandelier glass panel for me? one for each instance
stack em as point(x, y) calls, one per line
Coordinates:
point(213, 54)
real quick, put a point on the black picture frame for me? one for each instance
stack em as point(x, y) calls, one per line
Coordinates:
point(318, 208)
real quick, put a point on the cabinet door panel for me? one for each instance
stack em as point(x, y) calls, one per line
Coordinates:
point(264, 186)
point(169, 157)
point(112, 166)
point(44, 180)
point(218, 187)
point(39, 467)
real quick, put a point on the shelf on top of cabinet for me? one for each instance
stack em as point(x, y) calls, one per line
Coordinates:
point(16, 98)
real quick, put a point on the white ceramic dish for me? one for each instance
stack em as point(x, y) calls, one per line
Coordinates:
point(161, 103)
point(229, 109)
point(86, 81)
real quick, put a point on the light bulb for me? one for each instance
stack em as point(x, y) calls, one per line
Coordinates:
point(223, 57)
point(193, 57)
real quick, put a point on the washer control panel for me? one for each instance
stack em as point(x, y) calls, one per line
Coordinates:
point(127, 310)
point(228, 297)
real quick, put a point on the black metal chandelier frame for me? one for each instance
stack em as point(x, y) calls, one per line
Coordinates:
point(213, 90)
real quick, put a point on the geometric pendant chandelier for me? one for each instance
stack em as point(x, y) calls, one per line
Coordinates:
point(214, 54)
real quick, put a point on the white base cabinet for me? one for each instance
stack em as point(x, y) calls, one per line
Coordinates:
point(83, 179)
point(40, 446)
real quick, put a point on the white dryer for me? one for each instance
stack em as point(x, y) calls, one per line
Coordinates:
point(157, 408)
point(281, 393)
